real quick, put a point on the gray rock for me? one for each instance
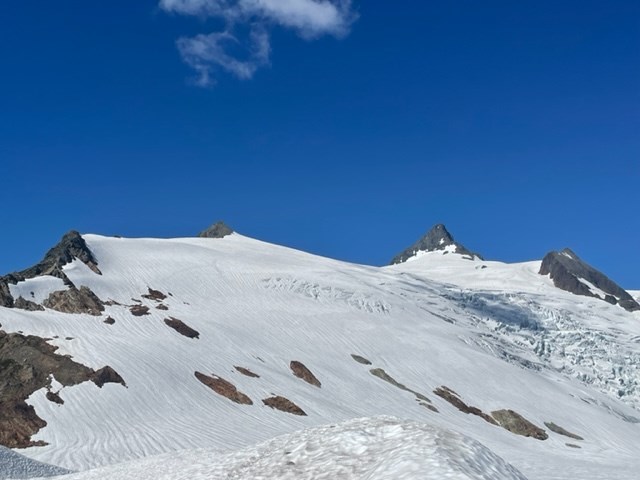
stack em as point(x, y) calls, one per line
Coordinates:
point(75, 301)
point(438, 238)
point(217, 230)
point(27, 305)
point(566, 269)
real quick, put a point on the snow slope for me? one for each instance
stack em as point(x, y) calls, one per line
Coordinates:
point(502, 337)
point(15, 466)
point(376, 449)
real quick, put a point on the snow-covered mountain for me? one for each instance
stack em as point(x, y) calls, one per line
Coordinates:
point(114, 349)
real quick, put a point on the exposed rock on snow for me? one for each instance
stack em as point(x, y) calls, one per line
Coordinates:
point(181, 327)
point(516, 423)
point(438, 238)
point(26, 365)
point(217, 230)
point(572, 274)
point(284, 405)
point(360, 359)
point(300, 371)
point(139, 310)
point(28, 305)
point(75, 301)
point(224, 388)
point(154, 295)
point(561, 431)
point(107, 375)
point(246, 372)
point(454, 399)
point(381, 374)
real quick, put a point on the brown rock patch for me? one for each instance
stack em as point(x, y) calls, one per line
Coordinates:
point(109, 321)
point(162, 306)
point(454, 399)
point(26, 364)
point(246, 372)
point(107, 375)
point(139, 310)
point(23, 304)
point(75, 300)
point(154, 295)
point(181, 327)
point(224, 388)
point(54, 397)
point(284, 405)
point(300, 371)
point(516, 423)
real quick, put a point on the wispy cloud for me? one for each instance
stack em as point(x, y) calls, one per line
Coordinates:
point(210, 53)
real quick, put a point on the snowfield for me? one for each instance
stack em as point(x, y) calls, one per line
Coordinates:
point(500, 336)
point(375, 449)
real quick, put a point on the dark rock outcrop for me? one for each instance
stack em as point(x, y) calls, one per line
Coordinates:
point(224, 388)
point(139, 310)
point(109, 321)
point(516, 423)
point(26, 365)
point(217, 230)
point(154, 295)
point(246, 372)
point(454, 399)
point(107, 375)
point(284, 405)
point(382, 375)
point(360, 359)
point(561, 431)
point(566, 269)
point(438, 238)
point(301, 371)
point(75, 300)
point(23, 304)
point(6, 300)
point(181, 327)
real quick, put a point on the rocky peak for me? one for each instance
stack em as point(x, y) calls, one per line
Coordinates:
point(572, 274)
point(438, 238)
point(70, 247)
point(217, 230)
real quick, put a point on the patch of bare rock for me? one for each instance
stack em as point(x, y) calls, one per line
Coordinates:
point(382, 375)
point(107, 375)
point(516, 423)
point(224, 387)
point(360, 359)
point(24, 304)
point(181, 327)
point(74, 300)
point(561, 431)
point(154, 295)
point(284, 405)
point(162, 306)
point(246, 372)
point(26, 365)
point(301, 371)
point(139, 310)
point(109, 321)
point(454, 399)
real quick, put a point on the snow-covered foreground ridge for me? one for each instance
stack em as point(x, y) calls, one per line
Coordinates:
point(368, 448)
point(211, 337)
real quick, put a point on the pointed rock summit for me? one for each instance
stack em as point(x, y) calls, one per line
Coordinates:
point(217, 230)
point(572, 274)
point(438, 238)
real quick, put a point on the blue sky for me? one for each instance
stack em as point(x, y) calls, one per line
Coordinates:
point(345, 131)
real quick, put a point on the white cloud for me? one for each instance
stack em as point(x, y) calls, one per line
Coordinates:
point(207, 53)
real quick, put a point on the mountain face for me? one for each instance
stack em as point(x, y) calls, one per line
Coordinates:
point(217, 230)
point(570, 273)
point(125, 348)
point(436, 239)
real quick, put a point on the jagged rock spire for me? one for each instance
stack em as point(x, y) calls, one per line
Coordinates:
point(217, 230)
point(438, 238)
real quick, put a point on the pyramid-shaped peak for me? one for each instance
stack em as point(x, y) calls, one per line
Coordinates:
point(438, 238)
point(217, 230)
